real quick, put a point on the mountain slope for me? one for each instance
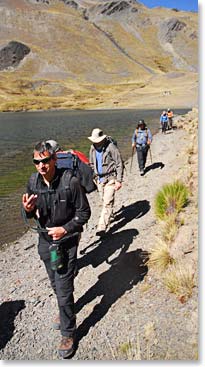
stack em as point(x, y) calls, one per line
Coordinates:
point(86, 54)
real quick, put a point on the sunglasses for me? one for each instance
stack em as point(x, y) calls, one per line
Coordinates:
point(44, 160)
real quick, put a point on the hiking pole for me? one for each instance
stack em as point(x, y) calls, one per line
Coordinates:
point(131, 159)
point(150, 154)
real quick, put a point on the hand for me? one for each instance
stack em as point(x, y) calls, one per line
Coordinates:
point(118, 185)
point(56, 232)
point(133, 145)
point(29, 202)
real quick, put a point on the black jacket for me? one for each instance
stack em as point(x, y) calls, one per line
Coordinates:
point(58, 205)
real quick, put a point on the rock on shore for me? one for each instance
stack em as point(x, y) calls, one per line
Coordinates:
point(123, 309)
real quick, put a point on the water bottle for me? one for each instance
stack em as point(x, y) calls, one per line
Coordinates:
point(56, 258)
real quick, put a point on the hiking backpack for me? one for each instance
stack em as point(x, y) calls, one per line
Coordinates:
point(79, 168)
point(111, 140)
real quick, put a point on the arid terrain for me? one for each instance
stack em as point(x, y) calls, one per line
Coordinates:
point(91, 54)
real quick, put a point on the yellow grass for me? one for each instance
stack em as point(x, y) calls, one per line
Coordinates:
point(160, 257)
point(180, 281)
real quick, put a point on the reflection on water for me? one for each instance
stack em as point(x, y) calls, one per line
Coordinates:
point(20, 132)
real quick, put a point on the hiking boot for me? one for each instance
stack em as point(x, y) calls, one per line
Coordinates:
point(66, 347)
point(56, 323)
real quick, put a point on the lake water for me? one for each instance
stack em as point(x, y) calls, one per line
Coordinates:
point(20, 131)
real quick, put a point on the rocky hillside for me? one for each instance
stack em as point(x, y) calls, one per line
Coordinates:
point(96, 54)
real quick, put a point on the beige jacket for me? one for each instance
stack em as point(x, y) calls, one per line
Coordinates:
point(112, 163)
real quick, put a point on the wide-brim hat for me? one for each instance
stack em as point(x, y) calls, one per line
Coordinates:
point(97, 136)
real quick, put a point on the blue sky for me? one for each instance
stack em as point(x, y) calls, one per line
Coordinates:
point(179, 4)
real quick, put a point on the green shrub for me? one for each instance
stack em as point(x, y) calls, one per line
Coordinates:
point(170, 200)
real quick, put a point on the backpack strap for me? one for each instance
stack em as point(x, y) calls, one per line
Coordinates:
point(66, 178)
point(136, 132)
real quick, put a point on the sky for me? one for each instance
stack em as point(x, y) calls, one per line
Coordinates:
point(187, 5)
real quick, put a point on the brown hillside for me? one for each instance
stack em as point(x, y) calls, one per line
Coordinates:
point(97, 54)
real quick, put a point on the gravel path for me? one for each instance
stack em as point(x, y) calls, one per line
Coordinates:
point(119, 301)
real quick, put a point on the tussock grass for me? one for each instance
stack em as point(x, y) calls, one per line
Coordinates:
point(170, 228)
point(160, 257)
point(180, 281)
point(170, 200)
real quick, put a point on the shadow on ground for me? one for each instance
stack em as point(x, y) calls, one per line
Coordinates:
point(123, 216)
point(154, 166)
point(105, 247)
point(125, 272)
point(8, 311)
point(127, 213)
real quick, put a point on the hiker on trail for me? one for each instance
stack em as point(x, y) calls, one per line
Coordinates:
point(141, 140)
point(164, 121)
point(106, 161)
point(60, 205)
point(170, 118)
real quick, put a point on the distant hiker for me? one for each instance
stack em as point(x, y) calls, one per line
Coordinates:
point(164, 121)
point(55, 197)
point(77, 162)
point(141, 140)
point(170, 118)
point(106, 161)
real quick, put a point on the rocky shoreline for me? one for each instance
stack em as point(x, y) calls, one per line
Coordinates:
point(124, 312)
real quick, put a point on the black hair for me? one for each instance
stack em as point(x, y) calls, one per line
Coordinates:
point(141, 122)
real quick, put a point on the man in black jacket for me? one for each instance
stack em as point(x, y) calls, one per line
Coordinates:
point(58, 201)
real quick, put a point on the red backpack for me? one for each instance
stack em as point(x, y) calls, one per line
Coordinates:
point(80, 155)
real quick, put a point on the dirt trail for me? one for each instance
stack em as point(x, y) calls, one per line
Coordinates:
point(118, 299)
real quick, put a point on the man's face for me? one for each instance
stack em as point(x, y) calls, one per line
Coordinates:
point(99, 145)
point(45, 163)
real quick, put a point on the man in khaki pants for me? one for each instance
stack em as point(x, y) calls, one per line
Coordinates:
point(106, 161)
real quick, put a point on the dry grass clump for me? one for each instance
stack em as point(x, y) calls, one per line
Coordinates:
point(170, 200)
point(170, 227)
point(180, 281)
point(160, 257)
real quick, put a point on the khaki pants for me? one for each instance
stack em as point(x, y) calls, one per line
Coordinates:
point(107, 194)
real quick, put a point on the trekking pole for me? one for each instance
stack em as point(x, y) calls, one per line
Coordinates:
point(150, 154)
point(131, 159)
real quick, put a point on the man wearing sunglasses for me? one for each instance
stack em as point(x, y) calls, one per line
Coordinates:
point(62, 208)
